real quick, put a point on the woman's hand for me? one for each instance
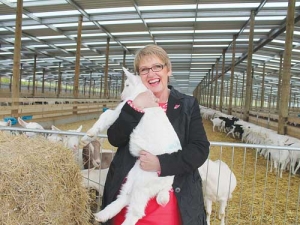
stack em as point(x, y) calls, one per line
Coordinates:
point(145, 100)
point(149, 162)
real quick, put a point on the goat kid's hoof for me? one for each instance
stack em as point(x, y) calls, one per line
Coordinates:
point(163, 198)
point(101, 217)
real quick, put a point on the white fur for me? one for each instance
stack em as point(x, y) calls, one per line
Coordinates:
point(30, 125)
point(5, 124)
point(155, 134)
point(133, 87)
point(94, 179)
point(218, 184)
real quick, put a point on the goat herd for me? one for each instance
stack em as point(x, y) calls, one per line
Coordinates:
point(281, 158)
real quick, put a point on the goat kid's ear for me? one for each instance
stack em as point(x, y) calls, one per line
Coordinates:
point(79, 129)
point(55, 128)
point(128, 74)
point(22, 122)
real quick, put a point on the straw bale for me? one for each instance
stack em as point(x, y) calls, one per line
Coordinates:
point(40, 183)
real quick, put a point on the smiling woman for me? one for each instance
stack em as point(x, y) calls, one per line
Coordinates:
point(185, 204)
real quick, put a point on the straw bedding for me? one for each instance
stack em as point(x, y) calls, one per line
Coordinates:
point(40, 183)
point(260, 197)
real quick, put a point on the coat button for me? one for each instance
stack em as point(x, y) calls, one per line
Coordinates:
point(177, 190)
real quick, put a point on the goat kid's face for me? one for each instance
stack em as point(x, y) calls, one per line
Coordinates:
point(133, 85)
point(70, 141)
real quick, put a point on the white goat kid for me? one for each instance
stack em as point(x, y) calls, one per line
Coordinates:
point(94, 179)
point(5, 123)
point(107, 118)
point(218, 184)
point(30, 125)
point(53, 137)
point(217, 122)
point(155, 134)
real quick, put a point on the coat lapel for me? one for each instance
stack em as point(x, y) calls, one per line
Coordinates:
point(174, 108)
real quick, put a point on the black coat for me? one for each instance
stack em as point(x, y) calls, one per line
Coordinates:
point(184, 114)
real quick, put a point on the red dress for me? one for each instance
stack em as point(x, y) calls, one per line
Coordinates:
point(156, 214)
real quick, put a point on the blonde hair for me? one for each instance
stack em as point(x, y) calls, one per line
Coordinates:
point(151, 50)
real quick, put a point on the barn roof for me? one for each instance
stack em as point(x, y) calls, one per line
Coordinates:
point(193, 32)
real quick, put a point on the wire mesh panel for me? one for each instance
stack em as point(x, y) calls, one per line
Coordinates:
point(260, 196)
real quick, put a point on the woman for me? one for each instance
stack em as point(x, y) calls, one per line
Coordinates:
point(186, 206)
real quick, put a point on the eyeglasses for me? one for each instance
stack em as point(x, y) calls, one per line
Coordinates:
point(155, 68)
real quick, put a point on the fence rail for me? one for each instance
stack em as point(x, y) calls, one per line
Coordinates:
point(260, 197)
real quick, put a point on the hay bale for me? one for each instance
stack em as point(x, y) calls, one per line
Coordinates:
point(40, 183)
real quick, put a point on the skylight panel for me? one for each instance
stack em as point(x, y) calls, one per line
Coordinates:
point(6, 53)
point(57, 13)
point(172, 41)
point(200, 68)
point(281, 49)
point(120, 22)
point(37, 46)
point(11, 17)
point(173, 32)
point(170, 20)
point(34, 27)
point(51, 37)
point(74, 49)
point(90, 35)
point(130, 33)
point(110, 10)
point(168, 7)
point(263, 18)
point(72, 24)
point(206, 46)
point(221, 19)
point(216, 31)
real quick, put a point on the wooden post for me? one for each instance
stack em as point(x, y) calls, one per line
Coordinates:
point(229, 109)
point(17, 56)
point(43, 80)
point(211, 86)
point(77, 62)
point(59, 80)
point(222, 80)
point(33, 78)
point(249, 69)
point(90, 87)
point(216, 84)
point(123, 73)
point(208, 89)
point(286, 76)
point(262, 96)
point(101, 86)
point(21, 73)
point(279, 83)
point(106, 69)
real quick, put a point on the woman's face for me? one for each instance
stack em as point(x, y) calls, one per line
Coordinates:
point(157, 82)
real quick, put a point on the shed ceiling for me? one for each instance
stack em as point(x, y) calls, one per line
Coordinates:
point(193, 32)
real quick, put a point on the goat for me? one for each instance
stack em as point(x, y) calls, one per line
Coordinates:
point(142, 185)
point(107, 118)
point(217, 122)
point(94, 156)
point(228, 122)
point(30, 125)
point(219, 183)
point(5, 124)
point(94, 179)
point(236, 129)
